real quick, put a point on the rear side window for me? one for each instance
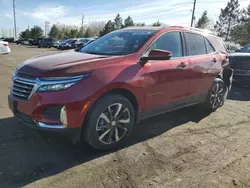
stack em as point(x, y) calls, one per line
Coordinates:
point(195, 44)
point(210, 48)
point(218, 44)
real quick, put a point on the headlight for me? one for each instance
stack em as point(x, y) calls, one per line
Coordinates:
point(59, 83)
point(14, 73)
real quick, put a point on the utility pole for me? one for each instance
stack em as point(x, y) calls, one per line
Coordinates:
point(82, 22)
point(192, 20)
point(14, 14)
point(46, 28)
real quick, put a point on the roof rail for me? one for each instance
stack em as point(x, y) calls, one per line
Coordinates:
point(195, 29)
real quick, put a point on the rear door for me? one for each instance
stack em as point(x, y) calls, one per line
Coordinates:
point(204, 63)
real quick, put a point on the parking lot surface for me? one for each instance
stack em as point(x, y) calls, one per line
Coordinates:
point(185, 148)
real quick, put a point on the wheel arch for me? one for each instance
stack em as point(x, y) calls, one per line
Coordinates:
point(123, 91)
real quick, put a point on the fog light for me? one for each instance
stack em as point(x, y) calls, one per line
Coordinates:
point(63, 116)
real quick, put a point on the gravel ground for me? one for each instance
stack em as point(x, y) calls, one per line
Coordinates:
point(181, 149)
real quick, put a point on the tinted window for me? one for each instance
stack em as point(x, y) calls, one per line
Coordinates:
point(170, 42)
point(195, 44)
point(119, 43)
point(210, 48)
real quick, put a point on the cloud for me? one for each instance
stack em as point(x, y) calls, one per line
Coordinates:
point(8, 16)
point(44, 12)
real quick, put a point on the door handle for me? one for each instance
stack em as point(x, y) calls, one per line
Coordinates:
point(182, 65)
point(214, 60)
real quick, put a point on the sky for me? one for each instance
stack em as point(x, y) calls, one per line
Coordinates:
point(170, 12)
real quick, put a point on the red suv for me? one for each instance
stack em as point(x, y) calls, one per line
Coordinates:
point(101, 90)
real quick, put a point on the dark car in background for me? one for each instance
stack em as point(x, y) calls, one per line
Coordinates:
point(35, 42)
point(245, 49)
point(240, 63)
point(67, 44)
point(84, 41)
point(47, 43)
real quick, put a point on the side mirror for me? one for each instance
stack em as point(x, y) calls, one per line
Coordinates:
point(156, 55)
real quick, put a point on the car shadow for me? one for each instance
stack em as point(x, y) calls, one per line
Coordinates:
point(26, 156)
point(239, 93)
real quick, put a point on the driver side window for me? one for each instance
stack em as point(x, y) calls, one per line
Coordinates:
point(169, 41)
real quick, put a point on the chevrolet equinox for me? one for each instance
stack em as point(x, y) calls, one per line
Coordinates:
point(100, 91)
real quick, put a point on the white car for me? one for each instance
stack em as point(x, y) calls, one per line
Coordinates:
point(4, 47)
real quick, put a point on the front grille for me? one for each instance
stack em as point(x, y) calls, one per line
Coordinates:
point(22, 87)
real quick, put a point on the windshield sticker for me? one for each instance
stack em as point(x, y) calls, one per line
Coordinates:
point(141, 33)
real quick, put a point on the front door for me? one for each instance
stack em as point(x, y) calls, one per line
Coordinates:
point(166, 81)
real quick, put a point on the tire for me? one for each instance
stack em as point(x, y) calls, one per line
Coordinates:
point(39, 46)
point(216, 95)
point(102, 130)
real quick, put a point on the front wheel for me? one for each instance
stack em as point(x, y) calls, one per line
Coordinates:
point(109, 122)
point(217, 95)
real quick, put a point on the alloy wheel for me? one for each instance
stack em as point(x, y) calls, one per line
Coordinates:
point(113, 123)
point(217, 95)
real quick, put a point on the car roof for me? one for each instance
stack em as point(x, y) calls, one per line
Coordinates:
point(165, 28)
point(142, 28)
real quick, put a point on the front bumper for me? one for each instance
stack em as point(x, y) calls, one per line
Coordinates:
point(38, 125)
point(73, 134)
point(53, 110)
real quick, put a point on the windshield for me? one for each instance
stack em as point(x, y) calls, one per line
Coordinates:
point(246, 49)
point(119, 43)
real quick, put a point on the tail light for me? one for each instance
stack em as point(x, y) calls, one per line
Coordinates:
point(5, 45)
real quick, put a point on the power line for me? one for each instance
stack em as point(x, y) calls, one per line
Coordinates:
point(192, 19)
point(170, 8)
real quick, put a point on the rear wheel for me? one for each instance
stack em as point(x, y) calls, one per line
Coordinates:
point(109, 122)
point(217, 95)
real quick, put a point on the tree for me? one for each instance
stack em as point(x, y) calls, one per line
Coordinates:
point(81, 33)
point(140, 24)
point(96, 27)
point(203, 21)
point(89, 33)
point(118, 22)
point(72, 33)
point(36, 32)
point(128, 22)
point(156, 24)
point(241, 32)
point(54, 32)
point(229, 17)
point(25, 34)
point(110, 26)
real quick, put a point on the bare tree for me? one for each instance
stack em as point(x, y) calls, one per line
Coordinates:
point(96, 27)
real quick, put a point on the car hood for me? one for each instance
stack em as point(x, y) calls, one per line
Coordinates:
point(65, 64)
point(240, 54)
